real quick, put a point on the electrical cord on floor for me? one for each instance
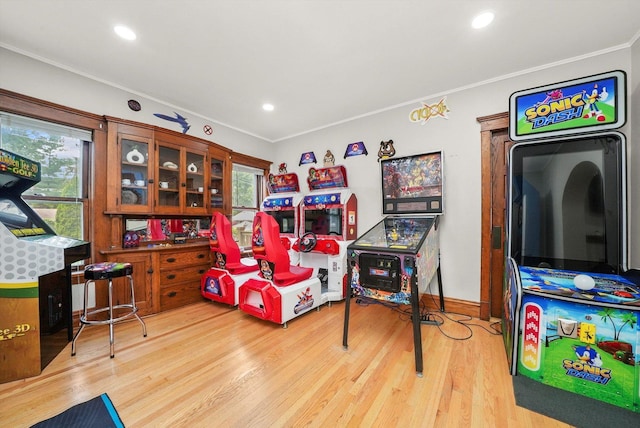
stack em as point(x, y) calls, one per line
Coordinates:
point(429, 317)
point(466, 321)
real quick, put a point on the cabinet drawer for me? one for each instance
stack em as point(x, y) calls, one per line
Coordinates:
point(171, 260)
point(180, 294)
point(187, 274)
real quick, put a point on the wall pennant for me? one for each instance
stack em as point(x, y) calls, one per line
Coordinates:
point(355, 149)
point(182, 121)
point(425, 112)
point(306, 158)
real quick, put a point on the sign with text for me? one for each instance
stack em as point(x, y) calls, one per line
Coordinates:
point(589, 104)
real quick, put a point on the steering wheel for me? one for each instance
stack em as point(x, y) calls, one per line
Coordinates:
point(307, 242)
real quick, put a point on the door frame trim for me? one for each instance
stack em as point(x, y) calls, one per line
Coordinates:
point(488, 125)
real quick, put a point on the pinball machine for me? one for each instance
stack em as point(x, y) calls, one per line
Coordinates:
point(396, 260)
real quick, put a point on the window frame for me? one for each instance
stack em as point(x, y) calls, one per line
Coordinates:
point(84, 154)
point(261, 189)
point(22, 105)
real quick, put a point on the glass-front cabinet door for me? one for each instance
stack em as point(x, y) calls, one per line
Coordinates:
point(170, 183)
point(217, 165)
point(196, 186)
point(136, 158)
point(182, 179)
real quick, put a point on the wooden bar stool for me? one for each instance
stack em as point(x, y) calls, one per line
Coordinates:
point(107, 271)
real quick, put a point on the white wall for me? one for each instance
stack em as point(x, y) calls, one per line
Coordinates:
point(458, 137)
point(27, 76)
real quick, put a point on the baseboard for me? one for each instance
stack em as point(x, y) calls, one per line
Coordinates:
point(457, 306)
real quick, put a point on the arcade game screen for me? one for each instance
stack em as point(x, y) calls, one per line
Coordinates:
point(327, 221)
point(18, 222)
point(412, 184)
point(567, 204)
point(286, 219)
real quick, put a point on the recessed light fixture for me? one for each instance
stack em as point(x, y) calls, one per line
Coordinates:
point(482, 20)
point(124, 32)
point(267, 107)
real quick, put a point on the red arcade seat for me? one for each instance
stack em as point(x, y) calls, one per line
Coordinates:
point(272, 256)
point(224, 248)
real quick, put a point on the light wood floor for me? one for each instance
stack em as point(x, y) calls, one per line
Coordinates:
point(208, 365)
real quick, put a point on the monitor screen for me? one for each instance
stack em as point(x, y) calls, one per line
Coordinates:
point(286, 220)
point(326, 221)
point(20, 219)
point(412, 184)
point(567, 204)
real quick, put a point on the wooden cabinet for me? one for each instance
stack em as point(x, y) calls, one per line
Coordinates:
point(165, 277)
point(142, 263)
point(154, 171)
point(180, 274)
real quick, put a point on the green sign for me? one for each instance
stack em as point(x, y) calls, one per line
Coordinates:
point(19, 166)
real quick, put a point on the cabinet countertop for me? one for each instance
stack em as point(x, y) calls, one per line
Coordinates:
point(158, 247)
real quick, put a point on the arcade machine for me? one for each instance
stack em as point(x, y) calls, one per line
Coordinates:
point(570, 305)
point(230, 269)
point(283, 291)
point(328, 225)
point(283, 204)
point(396, 260)
point(35, 276)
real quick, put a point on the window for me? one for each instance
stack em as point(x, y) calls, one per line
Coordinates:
point(60, 198)
point(247, 194)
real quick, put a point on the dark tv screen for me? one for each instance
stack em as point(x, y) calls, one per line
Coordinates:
point(286, 220)
point(326, 221)
point(567, 200)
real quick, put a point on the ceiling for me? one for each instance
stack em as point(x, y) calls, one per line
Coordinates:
point(320, 62)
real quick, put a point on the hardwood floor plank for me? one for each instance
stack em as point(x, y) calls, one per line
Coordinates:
point(211, 365)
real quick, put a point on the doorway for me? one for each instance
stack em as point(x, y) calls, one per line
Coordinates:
point(495, 145)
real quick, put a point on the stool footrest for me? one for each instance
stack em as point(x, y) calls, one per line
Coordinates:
point(85, 320)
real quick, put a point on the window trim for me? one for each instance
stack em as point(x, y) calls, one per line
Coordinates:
point(256, 164)
point(15, 103)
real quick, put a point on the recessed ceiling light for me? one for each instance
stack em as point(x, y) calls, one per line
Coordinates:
point(482, 20)
point(124, 32)
point(267, 107)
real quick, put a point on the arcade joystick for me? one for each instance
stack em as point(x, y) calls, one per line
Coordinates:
point(584, 282)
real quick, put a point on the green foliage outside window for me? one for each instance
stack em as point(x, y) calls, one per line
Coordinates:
point(57, 198)
point(245, 197)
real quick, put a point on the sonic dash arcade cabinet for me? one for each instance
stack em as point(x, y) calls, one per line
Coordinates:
point(570, 305)
point(395, 261)
point(35, 276)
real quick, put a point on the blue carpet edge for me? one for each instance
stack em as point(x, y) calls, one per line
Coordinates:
point(112, 410)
